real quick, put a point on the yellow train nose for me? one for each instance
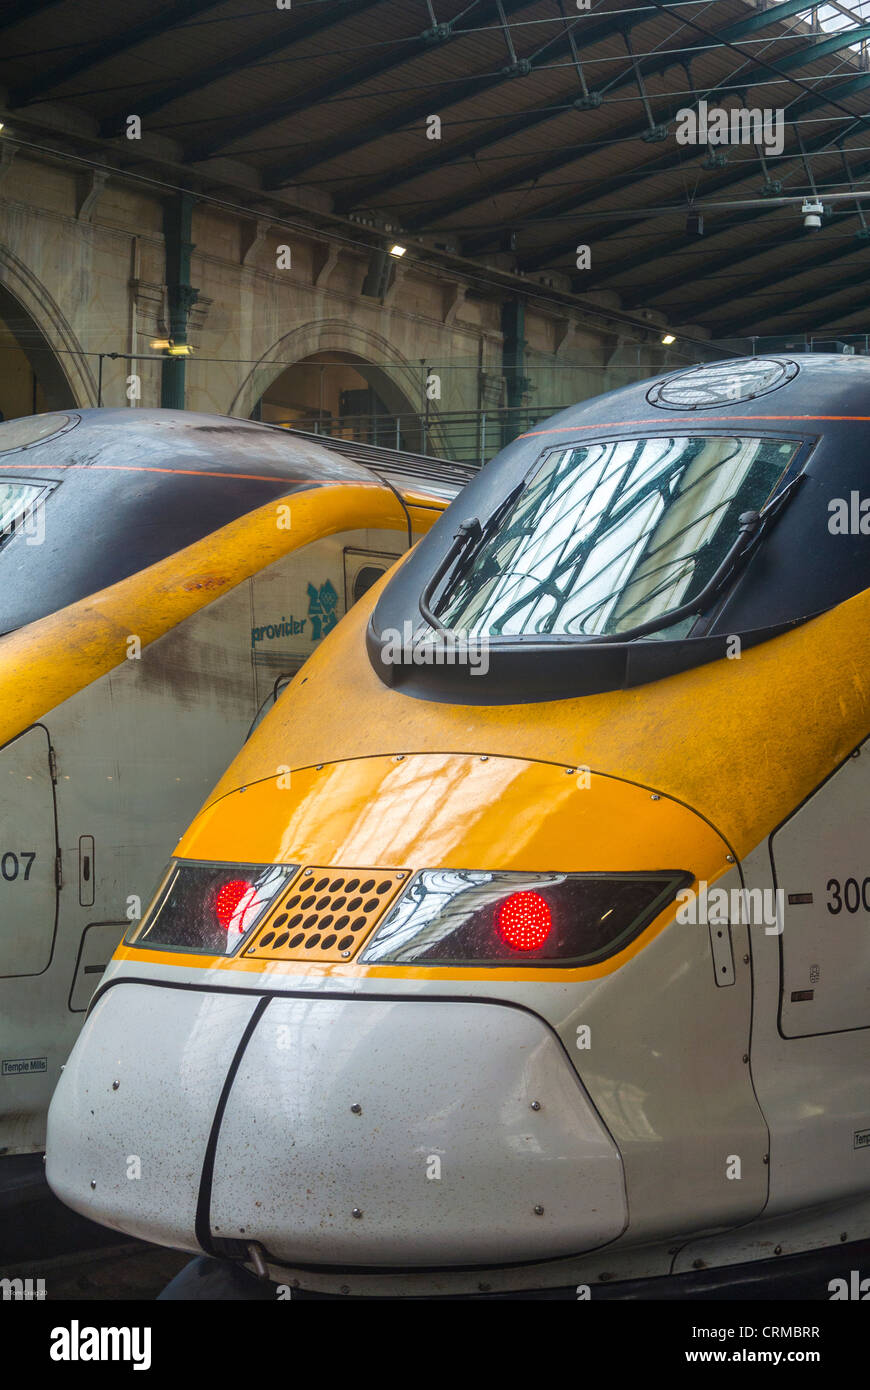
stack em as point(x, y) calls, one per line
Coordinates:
point(377, 822)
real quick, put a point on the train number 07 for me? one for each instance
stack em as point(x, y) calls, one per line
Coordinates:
point(852, 895)
point(12, 865)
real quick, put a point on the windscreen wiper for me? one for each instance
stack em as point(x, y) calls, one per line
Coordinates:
point(466, 543)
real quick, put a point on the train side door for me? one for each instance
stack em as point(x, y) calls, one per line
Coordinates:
point(811, 1031)
point(362, 569)
point(28, 854)
point(821, 860)
point(30, 1038)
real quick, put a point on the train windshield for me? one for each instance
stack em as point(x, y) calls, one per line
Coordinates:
point(607, 536)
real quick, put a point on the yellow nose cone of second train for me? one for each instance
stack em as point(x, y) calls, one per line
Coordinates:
point(394, 815)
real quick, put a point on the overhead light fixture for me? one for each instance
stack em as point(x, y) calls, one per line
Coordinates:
point(160, 344)
point(397, 250)
point(668, 339)
point(1, 125)
point(812, 211)
point(180, 350)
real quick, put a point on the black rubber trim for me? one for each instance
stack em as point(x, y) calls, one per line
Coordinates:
point(401, 501)
point(202, 1225)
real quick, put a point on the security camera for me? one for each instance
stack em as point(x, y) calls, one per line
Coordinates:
point(812, 212)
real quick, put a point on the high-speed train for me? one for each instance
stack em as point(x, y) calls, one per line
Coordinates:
point(525, 946)
point(160, 574)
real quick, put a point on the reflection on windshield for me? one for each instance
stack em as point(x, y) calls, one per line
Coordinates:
point(607, 536)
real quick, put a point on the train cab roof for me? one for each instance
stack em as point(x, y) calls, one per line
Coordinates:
point(634, 535)
point(819, 387)
point(123, 488)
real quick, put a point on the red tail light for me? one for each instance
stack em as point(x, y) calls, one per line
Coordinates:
point(209, 908)
point(229, 898)
point(483, 917)
point(524, 921)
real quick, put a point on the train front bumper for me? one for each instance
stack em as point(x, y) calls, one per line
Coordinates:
point(356, 1132)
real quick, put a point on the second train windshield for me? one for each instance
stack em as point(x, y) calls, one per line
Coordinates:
point(606, 536)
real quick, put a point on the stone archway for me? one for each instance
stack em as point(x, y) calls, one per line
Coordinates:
point(38, 331)
point(397, 384)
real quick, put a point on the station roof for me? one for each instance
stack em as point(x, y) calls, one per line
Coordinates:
point(557, 128)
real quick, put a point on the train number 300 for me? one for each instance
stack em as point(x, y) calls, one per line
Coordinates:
point(853, 895)
point(12, 866)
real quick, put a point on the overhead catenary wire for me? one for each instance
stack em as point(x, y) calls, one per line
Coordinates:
point(196, 358)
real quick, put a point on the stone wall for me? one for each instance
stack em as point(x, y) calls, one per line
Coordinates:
point(84, 260)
